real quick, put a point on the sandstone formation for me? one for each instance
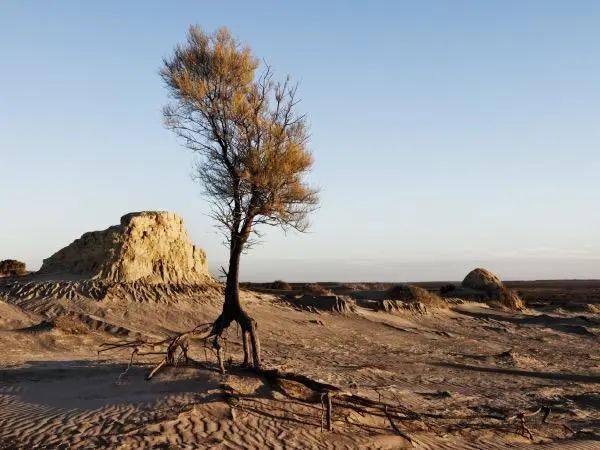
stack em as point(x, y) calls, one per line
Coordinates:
point(12, 268)
point(151, 247)
point(489, 287)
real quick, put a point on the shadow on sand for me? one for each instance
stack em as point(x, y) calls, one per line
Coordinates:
point(573, 325)
point(524, 373)
point(71, 387)
point(90, 385)
point(95, 384)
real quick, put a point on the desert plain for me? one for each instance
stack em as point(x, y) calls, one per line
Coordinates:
point(431, 366)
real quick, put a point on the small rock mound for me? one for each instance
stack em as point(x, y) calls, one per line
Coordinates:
point(12, 268)
point(150, 246)
point(333, 303)
point(490, 287)
point(411, 294)
point(316, 289)
point(481, 280)
point(281, 285)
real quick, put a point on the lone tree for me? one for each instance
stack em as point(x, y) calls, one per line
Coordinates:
point(252, 147)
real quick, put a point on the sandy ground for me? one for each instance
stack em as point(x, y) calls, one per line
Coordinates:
point(467, 371)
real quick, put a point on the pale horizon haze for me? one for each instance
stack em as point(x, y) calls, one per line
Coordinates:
point(447, 135)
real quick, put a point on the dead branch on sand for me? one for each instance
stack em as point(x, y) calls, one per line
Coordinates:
point(395, 427)
point(521, 415)
point(174, 352)
point(174, 349)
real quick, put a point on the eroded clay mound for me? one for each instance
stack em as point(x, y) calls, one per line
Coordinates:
point(333, 303)
point(398, 306)
point(481, 279)
point(489, 286)
point(151, 247)
point(12, 268)
point(50, 297)
point(411, 294)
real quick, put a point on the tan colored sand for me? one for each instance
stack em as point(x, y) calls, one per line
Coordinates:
point(54, 390)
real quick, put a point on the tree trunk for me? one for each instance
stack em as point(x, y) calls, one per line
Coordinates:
point(246, 345)
point(232, 308)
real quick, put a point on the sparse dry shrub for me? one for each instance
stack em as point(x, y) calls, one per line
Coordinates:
point(410, 293)
point(507, 297)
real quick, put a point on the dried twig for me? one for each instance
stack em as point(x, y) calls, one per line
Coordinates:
point(521, 415)
point(219, 349)
point(174, 351)
point(328, 411)
point(175, 348)
point(122, 374)
point(395, 427)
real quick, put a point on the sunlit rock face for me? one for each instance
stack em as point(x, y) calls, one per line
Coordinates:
point(484, 281)
point(150, 246)
point(481, 279)
point(12, 268)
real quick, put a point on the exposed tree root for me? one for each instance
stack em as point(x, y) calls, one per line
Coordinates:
point(521, 415)
point(174, 352)
point(395, 427)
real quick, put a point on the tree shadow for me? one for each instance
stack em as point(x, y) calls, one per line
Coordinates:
point(92, 385)
point(524, 373)
point(90, 394)
point(587, 400)
point(88, 384)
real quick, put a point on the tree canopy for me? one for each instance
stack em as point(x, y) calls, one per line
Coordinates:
point(252, 143)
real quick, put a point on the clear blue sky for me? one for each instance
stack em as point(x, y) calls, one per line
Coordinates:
point(447, 134)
